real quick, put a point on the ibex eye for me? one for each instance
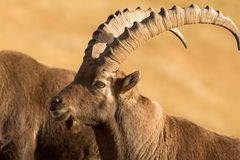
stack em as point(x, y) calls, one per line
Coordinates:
point(99, 84)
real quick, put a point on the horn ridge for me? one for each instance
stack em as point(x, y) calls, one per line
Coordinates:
point(155, 24)
point(114, 26)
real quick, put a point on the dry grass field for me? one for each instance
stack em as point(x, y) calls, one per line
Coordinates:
point(200, 83)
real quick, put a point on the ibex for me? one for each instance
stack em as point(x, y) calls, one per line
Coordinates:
point(126, 124)
point(26, 127)
point(27, 130)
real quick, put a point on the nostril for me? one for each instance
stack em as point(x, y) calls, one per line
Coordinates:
point(56, 101)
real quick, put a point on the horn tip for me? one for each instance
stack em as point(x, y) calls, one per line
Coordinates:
point(238, 41)
point(185, 45)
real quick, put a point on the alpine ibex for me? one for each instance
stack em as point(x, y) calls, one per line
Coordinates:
point(126, 124)
point(26, 126)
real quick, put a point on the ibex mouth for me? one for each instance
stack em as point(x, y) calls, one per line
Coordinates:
point(61, 115)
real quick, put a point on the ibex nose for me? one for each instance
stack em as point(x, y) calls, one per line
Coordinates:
point(55, 103)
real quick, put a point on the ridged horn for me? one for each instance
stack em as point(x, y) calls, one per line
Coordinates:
point(114, 26)
point(156, 23)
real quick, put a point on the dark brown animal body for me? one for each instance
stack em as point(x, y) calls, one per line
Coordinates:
point(149, 133)
point(128, 125)
point(190, 141)
point(27, 130)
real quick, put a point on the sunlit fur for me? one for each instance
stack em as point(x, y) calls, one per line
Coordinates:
point(130, 126)
point(26, 127)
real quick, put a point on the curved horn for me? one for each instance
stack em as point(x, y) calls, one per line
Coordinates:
point(156, 23)
point(114, 27)
point(180, 36)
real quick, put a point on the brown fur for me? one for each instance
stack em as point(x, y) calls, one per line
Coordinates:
point(126, 124)
point(27, 130)
point(130, 126)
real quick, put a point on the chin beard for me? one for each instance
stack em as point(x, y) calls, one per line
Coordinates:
point(72, 124)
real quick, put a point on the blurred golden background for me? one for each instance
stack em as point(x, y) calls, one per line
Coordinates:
point(200, 83)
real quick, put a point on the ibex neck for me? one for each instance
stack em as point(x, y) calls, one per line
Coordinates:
point(109, 141)
point(141, 128)
point(134, 132)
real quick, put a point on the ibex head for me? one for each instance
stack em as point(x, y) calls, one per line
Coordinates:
point(99, 88)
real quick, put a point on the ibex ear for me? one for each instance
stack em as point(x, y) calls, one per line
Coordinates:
point(130, 81)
